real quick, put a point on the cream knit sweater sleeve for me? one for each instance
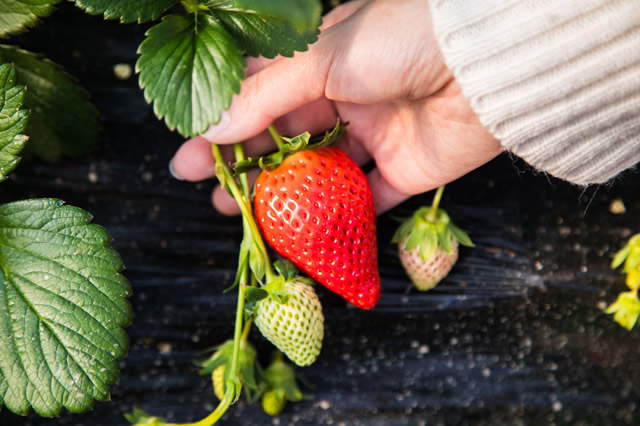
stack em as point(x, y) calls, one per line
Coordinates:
point(556, 81)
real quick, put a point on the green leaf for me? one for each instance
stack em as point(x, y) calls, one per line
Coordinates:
point(302, 14)
point(17, 15)
point(261, 33)
point(63, 122)
point(62, 308)
point(127, 10)
point(189, 68)
point(13, 121)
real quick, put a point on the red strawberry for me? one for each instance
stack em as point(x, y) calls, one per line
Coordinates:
point(316, 209)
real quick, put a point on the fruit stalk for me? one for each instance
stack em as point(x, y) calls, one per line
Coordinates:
point(431, 217)
point(225, 175)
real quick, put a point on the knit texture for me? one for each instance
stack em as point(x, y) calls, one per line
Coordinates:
point(557, 82)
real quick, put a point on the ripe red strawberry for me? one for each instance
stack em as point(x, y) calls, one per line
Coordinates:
point(296, 327)
point(316, 209)
point(428, 246)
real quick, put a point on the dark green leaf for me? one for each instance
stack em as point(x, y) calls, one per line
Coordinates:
point(302, 14)
point(189, 68)
point(127, 10)
point(62, 122)
point(13, 121)
point(262, 34)
point(62, 308)
point(17, 15)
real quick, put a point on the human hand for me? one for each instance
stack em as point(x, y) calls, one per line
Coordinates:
point(377, 66)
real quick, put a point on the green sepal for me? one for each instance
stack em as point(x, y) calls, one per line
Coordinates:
point(223, 355)
point(429, 246)
point(629, 255)
point(461, 236)
point(255, 294)
point(280, 376)
point(277, 289)
point(141, 418)
point(427, 232)
point(301, 142)
point(626, 309)
point(286, 269)
point(444, 239)
point(620, 256)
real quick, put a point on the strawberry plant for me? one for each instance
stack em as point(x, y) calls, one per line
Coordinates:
point(63, 301)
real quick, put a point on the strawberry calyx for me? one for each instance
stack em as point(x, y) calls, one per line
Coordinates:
point(221, 357)
point(281, 386)
point(288, 146)
point(427, 232)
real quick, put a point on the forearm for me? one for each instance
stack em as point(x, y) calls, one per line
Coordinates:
point(558, 83)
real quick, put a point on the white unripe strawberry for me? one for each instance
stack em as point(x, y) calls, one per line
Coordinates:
point(427, 273)
point(295, 327)
point(428, 246)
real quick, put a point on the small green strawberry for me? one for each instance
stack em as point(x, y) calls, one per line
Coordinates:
point(294, 324)
point(281, 386)
point(273, 402)
point(217, 377)
point(428, 244)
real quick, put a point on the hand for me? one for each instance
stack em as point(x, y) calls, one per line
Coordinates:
point(377, 66)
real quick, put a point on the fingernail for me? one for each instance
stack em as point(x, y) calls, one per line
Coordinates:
point(172, 170)
point(216, 129)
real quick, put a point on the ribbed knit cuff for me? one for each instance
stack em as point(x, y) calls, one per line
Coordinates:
point(557, 82)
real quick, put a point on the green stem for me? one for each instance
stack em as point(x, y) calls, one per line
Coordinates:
point(431, 217)
point(245, 207)
point(244, 181)
point(276, 137)
point(245, 332)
